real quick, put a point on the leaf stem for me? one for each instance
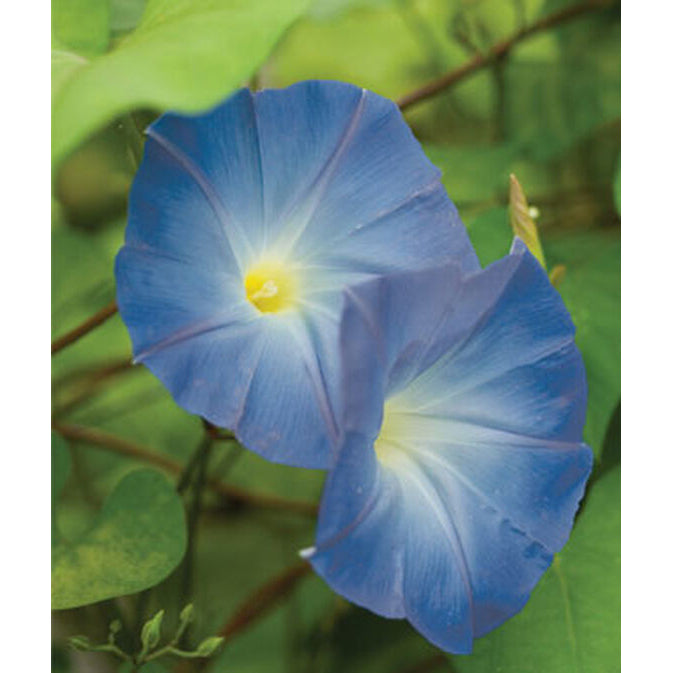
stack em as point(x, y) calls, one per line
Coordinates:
point(171, 649)
point(84, 328)
point(199, 468)
point(89, 386)
point(498, 50)
point(194, 460)
point(113, 649)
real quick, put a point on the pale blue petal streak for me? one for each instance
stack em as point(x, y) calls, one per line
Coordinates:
point(423, 230)
point(162, 298)
point(377, 182)
point(169, 214)
point(219, 152)
point(287, 415)
point(506, 357)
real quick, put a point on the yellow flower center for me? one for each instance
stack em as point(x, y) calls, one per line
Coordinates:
point(271, 286)
point(391, 440)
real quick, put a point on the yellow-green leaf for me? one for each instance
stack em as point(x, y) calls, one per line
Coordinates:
point(60, 469)
point(522, 223)
point(184, 55)
point(138, 538)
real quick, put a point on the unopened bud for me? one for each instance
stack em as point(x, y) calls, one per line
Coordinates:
point(208, 646)
point(151, 632)
point(187, 613)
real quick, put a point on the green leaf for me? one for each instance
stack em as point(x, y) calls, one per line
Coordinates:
point(79, 31)
point(184, 54)
point(617, 186)
point(138, 538)
point(362, 642)
point(591, 292)
point(265, 545)
point(353, 45)
point(491, 235)
point(571, 623)
point(82, 26)
point(553, 102)
point(474, 173)
point(60, 465)
point(125, 14)
point(60, 469)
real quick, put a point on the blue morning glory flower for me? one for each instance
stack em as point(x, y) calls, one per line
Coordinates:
point(245, 224)
point(462, 462)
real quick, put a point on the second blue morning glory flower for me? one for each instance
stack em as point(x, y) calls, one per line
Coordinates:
point(462, 463)
point(245, 224)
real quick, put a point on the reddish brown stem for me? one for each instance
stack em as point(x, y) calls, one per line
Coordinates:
point(94, 383)
point(93, 373)
point(84, 328)
point(263, 599)
point(434, 662)
point(499, 50)
point(105, 440)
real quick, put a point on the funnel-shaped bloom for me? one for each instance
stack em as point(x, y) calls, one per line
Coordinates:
point(245, 224)
point(462, 462)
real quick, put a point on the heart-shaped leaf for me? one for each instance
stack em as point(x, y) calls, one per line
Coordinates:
point(138, 538)
point(60, 469)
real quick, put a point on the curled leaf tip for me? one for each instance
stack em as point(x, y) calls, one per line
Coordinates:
point(521, 218)
point(557, 274)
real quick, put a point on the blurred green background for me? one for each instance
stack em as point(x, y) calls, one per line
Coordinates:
point(548, 110)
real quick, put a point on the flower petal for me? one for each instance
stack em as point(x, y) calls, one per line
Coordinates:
point(289, 397)
point(165, 206)
point(323, 182)
point(509, 357)
point(356, 550)
point(512, 506)
point(377, 180)
point(218, 152)
point(163, 299)
point(474, 421)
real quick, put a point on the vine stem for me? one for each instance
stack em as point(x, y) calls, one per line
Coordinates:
point(90, 386)
point(110, 442)
point(262, 600)
point(256, 605)
point(195, 475)
point(84, 328)
point(499, 50)
point(93, 373)
point(431, 663)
